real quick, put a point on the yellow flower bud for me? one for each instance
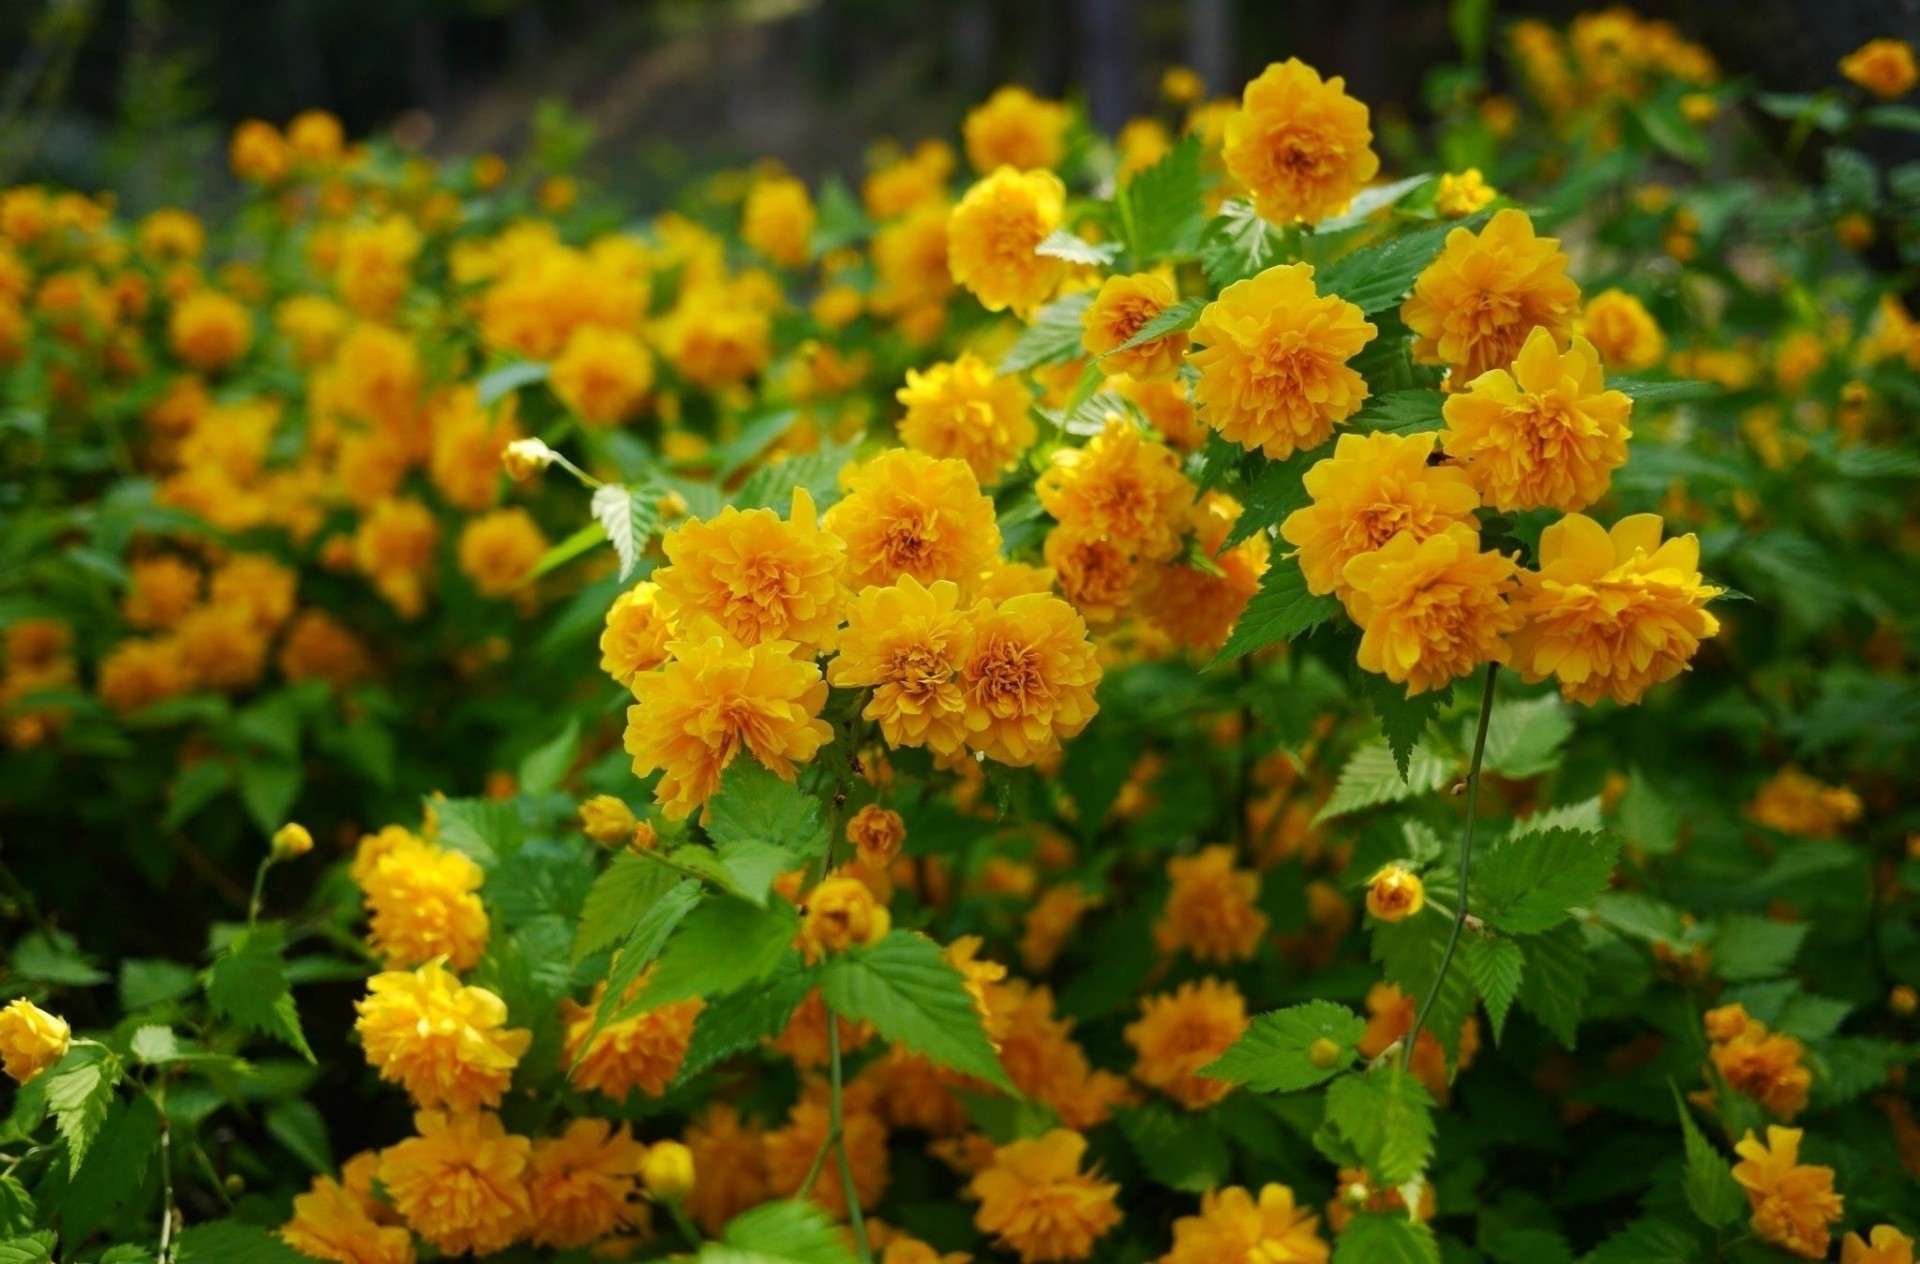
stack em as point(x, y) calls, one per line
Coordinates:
point(607, 820)
point(31, 1040)
point(644, 838)
point(878, 833)
point(1903, 1000)
point(291, 840)
point(667, 1171)
point(523, 458)
point(1323, 1053)
point(841, 913)
point(1395, 893)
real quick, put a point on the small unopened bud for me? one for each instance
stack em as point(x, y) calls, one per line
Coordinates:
point(290, 840)
point(524, 458)
point(1323, 1053)
point(644, 838)
point(607, 820)
point(1903, 1000)
point(1395, 893)
point(672, 505)
point(667, 1171)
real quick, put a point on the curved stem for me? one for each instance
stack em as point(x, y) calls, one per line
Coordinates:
point(1466, 870)
point(847, 1186)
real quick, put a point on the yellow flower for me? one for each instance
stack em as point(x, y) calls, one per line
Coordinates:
point(138, 673)
point(668, 1171)
point(373, 268)
point(257, 586)
point(1014, 128)
point(642, 1050)
point(1884, 67)
point(1028, 678)
point(1142, 142)
point(1198, 608)
point(1460, 196)
point(906, 642)
point(714, 699)
point(1181, 85)
point(991, 237)
point(331, 1222)
point(1765, 1066)
point(1611, 613)
point(717, 337)
point(1036, 1202)
point(1476, 303)
point(962, 410)
point(290, 841)
point(1049, 923)
point(910, 182)
point(910, 264)
point(446, 1044)
point(316, 137)
point(1887, 1246)
point(395, 546)
point(159, 591)
point(317, 647)
point(1395, 893)
point(603, 375)
point(1273, 365)
point(636, 635)
point(1373, 488)
point(209, 331)
point(758, 578)
point(461, 1183)
point(729, 1164)
point(877, 833)
point(1211, 910)
point(500, 549)
point(1122, 308)
point(1795, 803)
point(1301, 146)
point(607, 820)
point(908, 515)
point(1122, 486)
point(1431, 610)
point(582, 1184)
point(222, 647)
point(31, 1040)
point(1548, 435)
point(1182, 1031)
point(778, 221)
point(423, 903)
point(1234, 1228)
point(841, 913)
point(1622, 331)
point(1093, 572)
point(1793, 1202)
point(258, 153)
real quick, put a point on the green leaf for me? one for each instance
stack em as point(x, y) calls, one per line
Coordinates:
point(127, 1255)
point(772, 485)
point(756, 806)
point(1237, 244)
point(193, 789)
point(1388, 1116)
point(1273, 494)
point(508, 378)
point(1409, 953)
point(248, 986)
point(53, 956)
point(485, 830)
point(230, 1242)
point(1385, 1239)
point(629, 516)
point(734, 1023)
point(1372, 776)
point(1645, 818)
point(1648, 1242)
point(36, 1248)
point(544, 766)
point(16, 1208)
point(789, 1231)
point(1053, 337)
point(1527, 1246)
point(842, 221)
point(1748, 946)
point(1175, 319)
point(1370, 202)
point(1524, 735)
point(1061, 244)
point(908, 991)
point(1179, 1149)
point(1708, 1184)
point(1282, 610)
point(154, 1044)
point(1377, 276)
point(1528, 883)
point(643, 944)
point(268, 787)
point(1401, 413)
point(1554, 986)
point(1403, 720)
point(1275, 1054)
point(619, 899)
point(113, 1176)
point(575, 545)
point(79, 1090)
point(302, 1130)
point(724, 945)
point(1161, 211)
point(1496, 967)
point(1649, 394)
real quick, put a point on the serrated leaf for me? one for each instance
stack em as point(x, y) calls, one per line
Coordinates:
point(1061, 244)
point(79, 1090)
point(1648, 1242)
point(1178, 318)
point(1528, 883)
point(1854, 1066)
point(193, 789)
point(1400, 412)
point(1524, 735)
point(1645, 818)
point(1409, 953)
point(35, 1248)
point(1377, 276)
point(1527, 1246)
point(1708, 1184)
point(248, 986)
point(545, 765)
point(268, 787)
point(1650, 394)
point(1237, 244)
point(1496, 967)
point(1403, 720)
point(1748, 946)
point(1371, 201)
point(788, 1231)
point(722, 946)
point(1388, 1116)
point(17, 1213)
point(618, 900)
point(910, 994)
point(113, 1176)
point(1385, 1239)
point(230, 1242)
point(301, 1129)
point(643, 944)
point(155, 1043)
point(1053, 337)
point(1161, 211)
point(1373, 777)
point(628, 516)
point(755, 806)
point(53, 956)
point(1275, 1053)
point(1553, 987)
point(1276, 491)
point(1282, 610)
point(485, 830)
point(735, 1023)
point(1178, 1149)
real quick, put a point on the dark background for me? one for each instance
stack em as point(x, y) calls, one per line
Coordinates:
point(137, 95)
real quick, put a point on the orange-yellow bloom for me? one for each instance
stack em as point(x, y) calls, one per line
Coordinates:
point(583, 1184)
point(1124, 487)
point(1886, 1245)
point(636, 635)
point(603, 375)
point(1182, 1031)
point(1273, 361)
point(991, 237)
point(1623, 331)
point(760, 579)
point(730, 1162)
point(1211, 909)
point(1300, 145)
point(1794, 803)
point(1014, 128)
point(1884, 67)
point(963, 410)
point(877, 833)
point(461, 1183)
point(1374, 487)
point(906, 514)
point(331, 1222)
point(1395, 893)
point(907, 642)
point(498, 550)
point(1123, 307)
point(778, 221)
point(1028, 678)
point(31, 1040)
point(210, 330)
point(446, 1044)
point(1196, 607)
point(1036, 1202)
point(1235, 1228)
point(1476, 303)
point(1794, 1203)
point(641, 1051)
point(1432, 610)
point(423, 902)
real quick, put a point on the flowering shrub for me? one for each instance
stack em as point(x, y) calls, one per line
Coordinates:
point(1162, 699)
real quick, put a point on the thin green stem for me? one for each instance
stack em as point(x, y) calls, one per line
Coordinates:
point(847, 1186)
point(1466, 870)
point(259, 890)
